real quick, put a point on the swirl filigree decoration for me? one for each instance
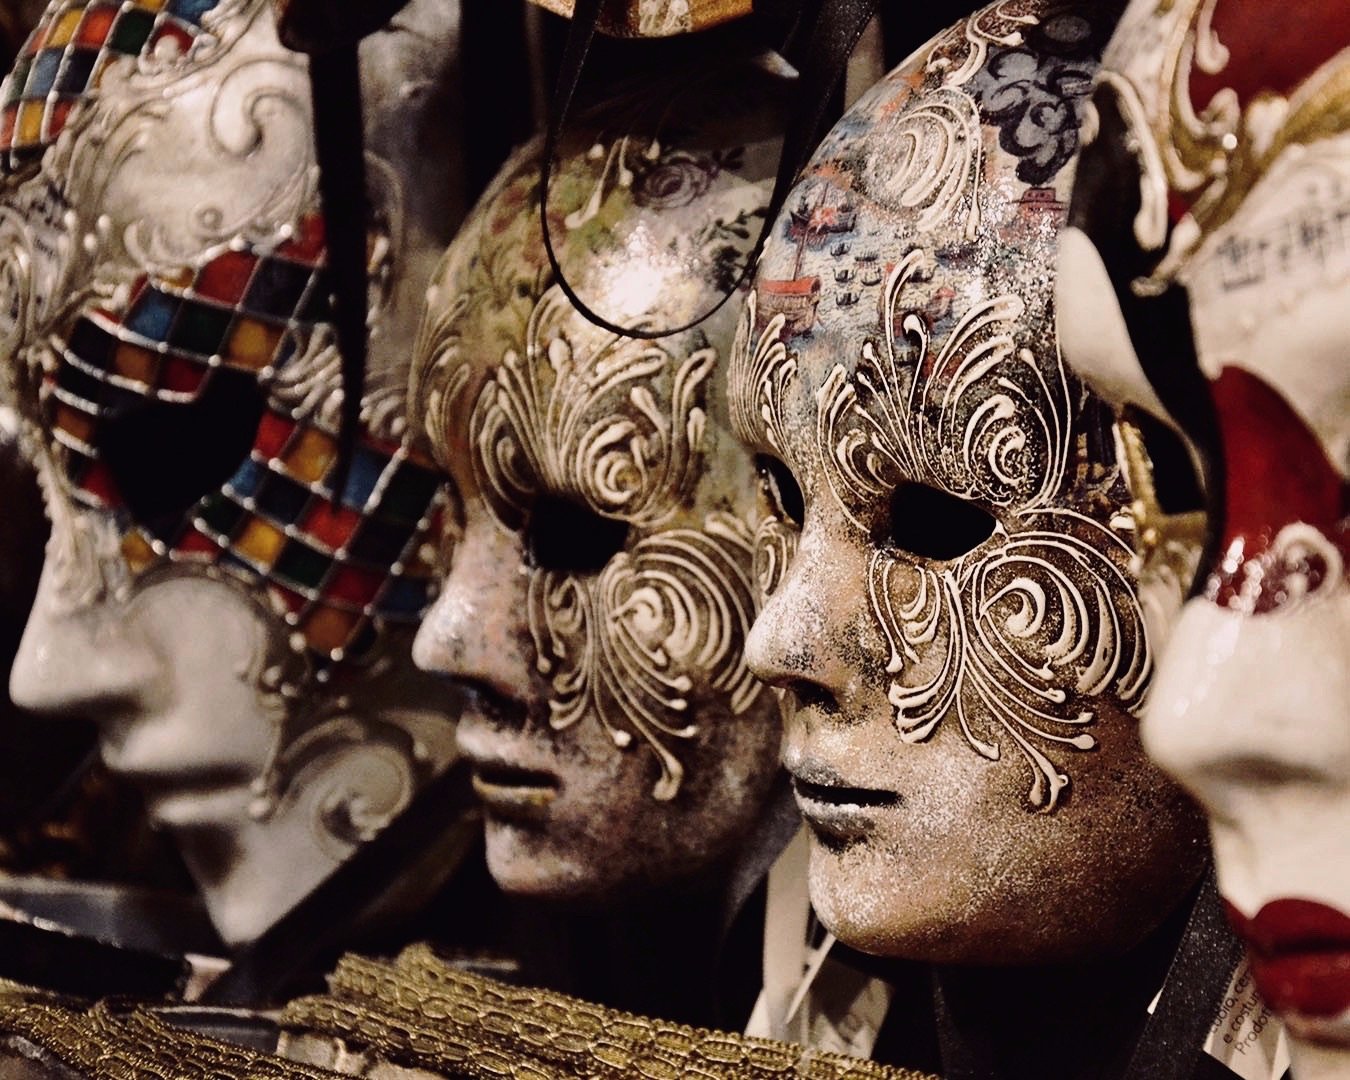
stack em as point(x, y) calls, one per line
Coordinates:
point(239, 121)
point(1015, 638)
point(1040, 621)
point(622, 646)
point(619, 425)
point(563, 433)
point(83, 564)
point(934, 169)
point(962, 51)
point(981, 419)
point(758, 379)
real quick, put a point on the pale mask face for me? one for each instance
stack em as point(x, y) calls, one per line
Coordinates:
point(1204, 281)
point(243, 642)
point(599, 584)
point(948, 607)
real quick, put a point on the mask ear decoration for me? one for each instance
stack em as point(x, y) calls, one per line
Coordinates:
point(419, 850)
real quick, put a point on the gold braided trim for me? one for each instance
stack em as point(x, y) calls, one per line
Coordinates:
point(417, 1011)
point(1219, 153)
point(111, 1042)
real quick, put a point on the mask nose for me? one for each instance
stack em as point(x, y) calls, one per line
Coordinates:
point(796, 642)
point(478, 628)
point(81, 661)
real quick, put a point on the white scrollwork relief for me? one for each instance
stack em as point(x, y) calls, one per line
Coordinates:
point(1014, 639)
point(83, 567)
point(1030, 629)
point(981, 418)
point(933, 161)
point(626, 646)
point(764, 372)
point(595, 427)
point(239, 139)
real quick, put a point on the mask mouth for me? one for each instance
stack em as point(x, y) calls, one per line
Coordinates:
point(841, 795)
point(1300, 952)
point(840, 815)
point(512, 792)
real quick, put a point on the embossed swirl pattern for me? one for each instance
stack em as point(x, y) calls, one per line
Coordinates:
point(758, 379)
point(1033, 623)
point(594, 427)
point(619, 424)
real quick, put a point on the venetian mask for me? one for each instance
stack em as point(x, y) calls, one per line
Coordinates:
point(240, 630)
point(1204, 282)
point(598, 590)
point(944, 561)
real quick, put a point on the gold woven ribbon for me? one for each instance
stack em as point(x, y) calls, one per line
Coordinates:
point(111, 1041)
point(419, 1012)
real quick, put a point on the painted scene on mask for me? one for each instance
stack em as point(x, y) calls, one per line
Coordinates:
point(900, 342)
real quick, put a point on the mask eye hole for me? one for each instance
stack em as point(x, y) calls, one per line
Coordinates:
point(782, 491)
point(565, 535)
point(166, 457)
point(934, 524)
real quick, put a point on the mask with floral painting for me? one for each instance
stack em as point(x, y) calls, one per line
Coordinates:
point(598, 589)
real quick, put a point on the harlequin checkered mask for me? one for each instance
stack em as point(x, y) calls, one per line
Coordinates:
point(167, 342)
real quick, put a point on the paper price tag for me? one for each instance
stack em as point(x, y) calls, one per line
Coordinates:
point(844, 1010)
point(1247, 1037)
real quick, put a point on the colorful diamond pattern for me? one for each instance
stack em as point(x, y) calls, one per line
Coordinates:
point(64, 60)
point(335, 568)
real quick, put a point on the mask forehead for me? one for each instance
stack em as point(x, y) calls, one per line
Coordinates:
point(650, 226)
